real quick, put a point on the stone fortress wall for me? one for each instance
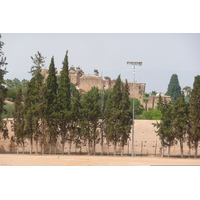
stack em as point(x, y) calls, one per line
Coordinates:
point(146, 142)
point(85, 82)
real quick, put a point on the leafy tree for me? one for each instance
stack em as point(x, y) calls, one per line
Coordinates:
point(34, 101)
point(125, 117)
point(28, 115)
point(42, 113)
point(90, 117)
point(52, 87)
point(138, 108)
point(164, 127)
point(63, 114)
point(74, 129)
point(153, 94)
point(179, 120)
point(187, 91)
point(8, 111)
point(194, 113)
point(3, 89)
point(11, 94)
point(113, 115)
point(13, 85)
point(146, 99)
point(19, 121)
point(174, 89)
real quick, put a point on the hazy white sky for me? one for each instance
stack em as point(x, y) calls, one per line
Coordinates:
point(162, 55)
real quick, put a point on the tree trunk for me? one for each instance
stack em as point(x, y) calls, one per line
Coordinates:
point(115, 144)
point(155, 148)
point(122, 150)
point(36, 147)
point(17, 149)
point(88, 147)
point(108, 149)
point(50, 148)
point(55, 149)
point(181, 146)
point(31, 146)
point(70, 146)
point(169, 151)
point(141, 147)
point(153, 102)
point(128, 147)
point(162, 151)
point(94, 147)
point(63, 147)
point(189, 151)
point(102, 142)
point(196, 149)
point(23, 147)
point(42, 148)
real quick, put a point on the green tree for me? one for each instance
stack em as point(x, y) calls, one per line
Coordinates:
point(63, 114)
point(187, 91)
point(138, 108)
point(74, 128)
point(153, 94)
point(28, 116)
point(90, 117)
point(174, 89)
point(164, 127)
point(52, 87)
point(194, 113)
point(18, 125)
point(34, 102)
point(113, 115)
point(3, 89)
point(146, 99)
point(179, 120)
point(125, 117)
point(11, 94)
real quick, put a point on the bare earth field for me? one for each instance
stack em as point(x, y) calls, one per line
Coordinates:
point(83, 160)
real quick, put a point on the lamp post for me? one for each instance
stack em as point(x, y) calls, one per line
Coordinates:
point(134, 64)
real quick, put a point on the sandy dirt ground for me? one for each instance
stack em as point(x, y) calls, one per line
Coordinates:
point(83, 160)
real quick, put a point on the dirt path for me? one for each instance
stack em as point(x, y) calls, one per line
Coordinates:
point(82, 160)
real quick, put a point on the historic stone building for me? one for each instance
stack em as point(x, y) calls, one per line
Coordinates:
point(85, 82)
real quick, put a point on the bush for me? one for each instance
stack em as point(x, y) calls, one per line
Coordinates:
point(151, 114)
point(8, 111)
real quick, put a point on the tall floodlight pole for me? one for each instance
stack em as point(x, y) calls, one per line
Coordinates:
point(134, 64)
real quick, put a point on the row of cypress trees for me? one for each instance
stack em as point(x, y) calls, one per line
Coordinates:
point(56, 112)
point(180, 120)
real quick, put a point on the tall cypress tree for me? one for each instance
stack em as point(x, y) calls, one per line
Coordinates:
point(174, 89)
point(19, 121)
point(64, 101)
point(74, 129)
point(179, 120)
point(194, 113)
point(113, 114)
point(33, 101)
point(3, 89)
point(125, 118)
point(164, 127)
point(52, 87)
point(90, 117)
